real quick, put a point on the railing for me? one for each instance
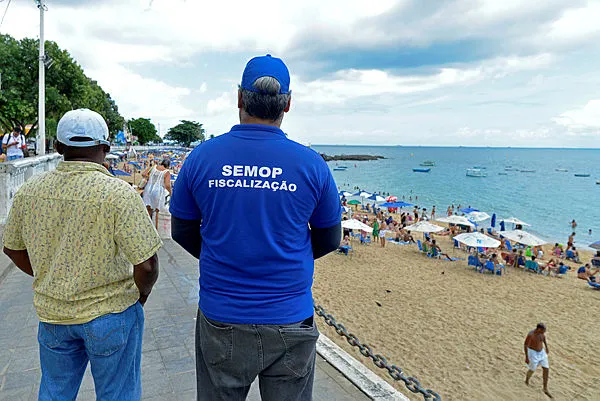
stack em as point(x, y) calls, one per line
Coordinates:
point(14, 173)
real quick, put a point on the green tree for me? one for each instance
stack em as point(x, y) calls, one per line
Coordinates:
point(144, 130)
point(67, 87)
point(212, 136)
point(186, 132)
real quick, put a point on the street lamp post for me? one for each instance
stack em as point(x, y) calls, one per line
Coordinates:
point(41, 132)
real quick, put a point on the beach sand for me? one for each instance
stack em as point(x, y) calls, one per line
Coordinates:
point(460, 332)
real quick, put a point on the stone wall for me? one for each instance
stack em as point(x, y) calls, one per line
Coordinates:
point(14, 173)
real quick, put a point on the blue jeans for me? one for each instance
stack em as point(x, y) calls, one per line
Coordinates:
point(9, 158)
point(230, 356)
point(111, 343)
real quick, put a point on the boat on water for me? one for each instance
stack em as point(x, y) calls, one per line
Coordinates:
point(427, 163)
point(597, 182)
point(421, 170)
point(339, 169)
point(502, 173)
point(582, 175)
point(476, 172)
point(509, 168)
point(527, 171)
point(561, 170)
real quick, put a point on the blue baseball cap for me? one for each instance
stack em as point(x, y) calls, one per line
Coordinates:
point(266, 66)
point(82, 123)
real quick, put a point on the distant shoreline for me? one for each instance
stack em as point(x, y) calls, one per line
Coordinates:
point(448, 147)
point(359, 158)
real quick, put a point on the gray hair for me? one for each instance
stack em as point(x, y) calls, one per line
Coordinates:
point(267, 103)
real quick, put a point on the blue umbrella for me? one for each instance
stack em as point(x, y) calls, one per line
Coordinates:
point(121, 173)
point(502, 226)
point(135, 164)
point(468, 210)
point(395, 204)
point(493, 222)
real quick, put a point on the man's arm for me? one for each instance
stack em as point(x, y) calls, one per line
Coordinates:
point(325, 240)
point(20, 259)
point(145, 275)
point(187, 234)
point(546, 344)
point(525, 346)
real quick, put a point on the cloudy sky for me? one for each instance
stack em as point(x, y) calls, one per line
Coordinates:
point(379, 72)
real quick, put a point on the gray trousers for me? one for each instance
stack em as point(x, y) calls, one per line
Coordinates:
point(229, 357)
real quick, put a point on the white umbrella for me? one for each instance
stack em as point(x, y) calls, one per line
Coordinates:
point(477, 240)
point(425, 227)
point(463, 221)
point(514, 220)
point(354, 224)
point(363, 194)
point(376, 198)
point(345, 193)
point(478, 216)
point(523, 237)
point(111, 157)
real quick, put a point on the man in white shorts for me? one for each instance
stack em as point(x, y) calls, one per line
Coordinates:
point(536, 355)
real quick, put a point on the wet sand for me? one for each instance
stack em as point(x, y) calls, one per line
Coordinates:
point(460, 332)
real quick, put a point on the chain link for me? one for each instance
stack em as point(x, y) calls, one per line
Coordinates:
point(380, 361)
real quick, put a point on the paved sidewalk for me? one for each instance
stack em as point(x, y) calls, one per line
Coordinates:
point(168, 353)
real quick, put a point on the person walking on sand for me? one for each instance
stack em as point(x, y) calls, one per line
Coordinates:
point(536, 355)
point(85, 238)
point(157, 187)
point(256, 316)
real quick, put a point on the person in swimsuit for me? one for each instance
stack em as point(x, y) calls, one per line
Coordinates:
point(536, 355)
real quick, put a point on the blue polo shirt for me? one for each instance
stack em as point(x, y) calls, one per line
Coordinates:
point(256, 193)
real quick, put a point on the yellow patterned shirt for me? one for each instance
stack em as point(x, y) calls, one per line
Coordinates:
point(83, 230)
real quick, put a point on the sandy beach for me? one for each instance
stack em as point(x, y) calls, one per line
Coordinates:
point(460, 332)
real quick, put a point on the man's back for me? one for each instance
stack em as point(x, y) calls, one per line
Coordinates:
point(256, 193)
point(82, 236)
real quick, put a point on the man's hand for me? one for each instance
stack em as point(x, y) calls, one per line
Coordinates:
point(527, 360)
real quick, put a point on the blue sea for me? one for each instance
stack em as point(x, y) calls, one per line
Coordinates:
point(547, 199)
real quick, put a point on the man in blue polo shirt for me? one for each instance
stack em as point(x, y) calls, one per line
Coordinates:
point(257, 209)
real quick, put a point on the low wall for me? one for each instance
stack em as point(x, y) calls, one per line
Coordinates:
point(14, 173)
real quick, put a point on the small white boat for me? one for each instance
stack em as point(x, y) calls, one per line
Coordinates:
point(562, 170)
point(476, 172)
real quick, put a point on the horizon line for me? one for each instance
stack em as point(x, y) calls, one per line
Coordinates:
point(456, 146)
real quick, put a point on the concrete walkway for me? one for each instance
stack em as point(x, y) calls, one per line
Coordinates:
point(168, 367)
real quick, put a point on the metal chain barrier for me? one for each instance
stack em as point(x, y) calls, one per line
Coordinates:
point(380, 361)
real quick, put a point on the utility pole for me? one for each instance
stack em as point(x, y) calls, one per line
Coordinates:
point(41, 132)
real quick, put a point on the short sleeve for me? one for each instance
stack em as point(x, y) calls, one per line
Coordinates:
point(13, 231)
point(328, 212)
point(183, 204)
point(135, 234)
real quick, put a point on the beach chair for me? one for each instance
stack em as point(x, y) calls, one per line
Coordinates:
point(420, 245)
point(365, 240)
point(456, 244)
point(508, 246)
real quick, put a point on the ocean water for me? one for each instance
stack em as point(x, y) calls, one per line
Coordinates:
point(547, 199)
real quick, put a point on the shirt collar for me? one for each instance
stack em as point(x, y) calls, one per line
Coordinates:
point(70, 167)
point(257, 131)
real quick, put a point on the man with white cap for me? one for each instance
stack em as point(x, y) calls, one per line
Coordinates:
point(85, 238)
point(257, 208)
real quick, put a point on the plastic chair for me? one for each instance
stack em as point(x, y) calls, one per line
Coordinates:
point(508, 246)
point(456, 244)
point(595, 286)
point(420, 245)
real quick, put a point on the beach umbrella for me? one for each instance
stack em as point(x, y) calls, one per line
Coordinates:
point(395, 204)
point(376, 198)
point(111, 157)
point(461, 220)
point(121, 173)
point(477, 239)
point(135, 165)
point(514, 220)
point(344, 193)
point(425, 227)
point(468, 210)
point(493, 222)
point(353, 202)
point(523, 237)
point(595, 245)
point(362, 194)
point(354, 224)
point(477, 216)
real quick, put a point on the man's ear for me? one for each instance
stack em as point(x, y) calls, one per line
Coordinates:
point(289, 104)
point(240, 103)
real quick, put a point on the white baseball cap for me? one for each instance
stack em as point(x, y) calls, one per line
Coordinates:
point(82, 123)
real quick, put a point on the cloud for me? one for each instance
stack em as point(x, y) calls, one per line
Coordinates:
point(203, 88)
point(583, 120)
point(224, 103)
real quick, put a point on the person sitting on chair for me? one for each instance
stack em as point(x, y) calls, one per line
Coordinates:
point(585, 273)
point(437, 251)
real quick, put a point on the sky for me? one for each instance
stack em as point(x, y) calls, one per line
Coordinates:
point(383, 72)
